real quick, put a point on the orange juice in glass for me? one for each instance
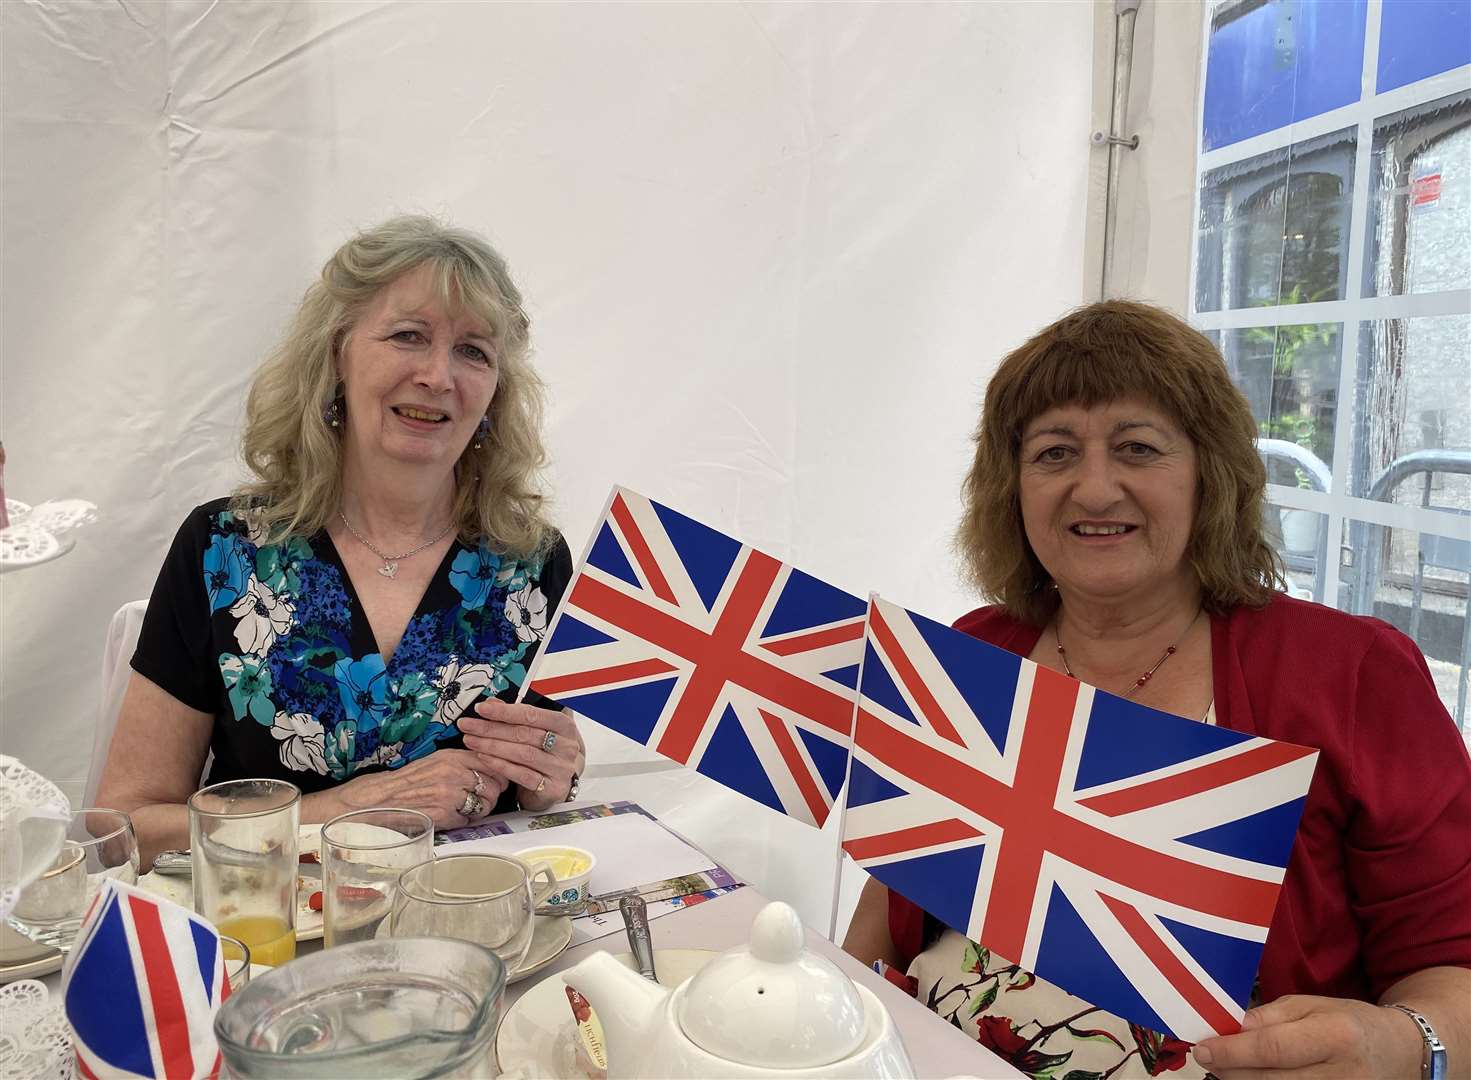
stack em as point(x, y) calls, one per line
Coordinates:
point(242, 842)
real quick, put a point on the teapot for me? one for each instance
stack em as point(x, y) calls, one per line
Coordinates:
point(772, 1008)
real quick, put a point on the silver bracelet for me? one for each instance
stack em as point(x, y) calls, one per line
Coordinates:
point(1433, 1063)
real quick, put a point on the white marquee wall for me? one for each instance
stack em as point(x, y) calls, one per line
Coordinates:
point(772, 253)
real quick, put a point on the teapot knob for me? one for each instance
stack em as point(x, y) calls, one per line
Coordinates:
point(776, 935)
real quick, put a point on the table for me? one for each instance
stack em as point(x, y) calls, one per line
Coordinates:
point(936, 1048)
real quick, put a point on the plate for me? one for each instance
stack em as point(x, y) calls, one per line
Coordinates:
point(308, 922)
point(549, 939)
point(537, 1035)
point(22, 958)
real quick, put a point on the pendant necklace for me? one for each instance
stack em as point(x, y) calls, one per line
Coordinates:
point(1142, 679)
point(390, 562)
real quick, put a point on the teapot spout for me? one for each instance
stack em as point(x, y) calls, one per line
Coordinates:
point(628, 1006)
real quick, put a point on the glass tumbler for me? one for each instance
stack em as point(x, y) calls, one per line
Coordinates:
point(363, 854)
point(242, 844)
point(487, 899)
point(99, 845)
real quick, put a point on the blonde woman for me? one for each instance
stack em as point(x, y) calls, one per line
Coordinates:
point(357, 618)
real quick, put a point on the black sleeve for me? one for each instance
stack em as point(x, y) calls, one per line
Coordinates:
point(175, 647)
point(556, 573)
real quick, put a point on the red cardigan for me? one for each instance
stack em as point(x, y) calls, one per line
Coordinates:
point(1379, 885)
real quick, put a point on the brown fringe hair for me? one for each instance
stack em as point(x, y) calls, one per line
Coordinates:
point(1093, 356)
point(296, 457)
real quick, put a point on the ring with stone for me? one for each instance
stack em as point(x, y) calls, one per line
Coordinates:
point(548, 741)
point(473, 806)
point(479, 788)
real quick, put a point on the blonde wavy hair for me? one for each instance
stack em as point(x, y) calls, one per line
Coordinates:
point(1096, 355)
point(296, 456)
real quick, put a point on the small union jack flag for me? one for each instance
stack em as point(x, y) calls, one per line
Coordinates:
point(1129, 856)
point(142, 985)
point(710, 652)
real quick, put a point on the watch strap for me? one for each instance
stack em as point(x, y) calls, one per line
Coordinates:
point(1433, 1064)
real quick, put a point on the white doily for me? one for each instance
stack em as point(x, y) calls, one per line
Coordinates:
point(34, 816)
point(34, 1038)
point(41, 533)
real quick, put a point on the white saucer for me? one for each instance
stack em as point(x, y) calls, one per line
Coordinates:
point(22, 958)
point(537, 1035)
point(549, 939)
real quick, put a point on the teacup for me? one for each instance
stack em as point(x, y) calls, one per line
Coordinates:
point(573, 867)
point(484, 898)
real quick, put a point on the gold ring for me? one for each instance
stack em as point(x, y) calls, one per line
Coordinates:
point(541, 785)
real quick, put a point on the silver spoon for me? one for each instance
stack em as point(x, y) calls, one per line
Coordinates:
point(636, 922)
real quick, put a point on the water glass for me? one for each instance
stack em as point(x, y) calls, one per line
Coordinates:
point(242, 843)
point(99, 844)
point(487, 899)
point(363, 854)
point(237, 962)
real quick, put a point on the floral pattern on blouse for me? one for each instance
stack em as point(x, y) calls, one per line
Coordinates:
point(332, 712)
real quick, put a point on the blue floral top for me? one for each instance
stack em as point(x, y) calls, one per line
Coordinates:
point(272, 640)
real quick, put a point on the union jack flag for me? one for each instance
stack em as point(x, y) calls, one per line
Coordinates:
point(711, 653)
point(1131, 857)
point(143, 981)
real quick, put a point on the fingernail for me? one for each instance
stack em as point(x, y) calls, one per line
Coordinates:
point(1202, 1054)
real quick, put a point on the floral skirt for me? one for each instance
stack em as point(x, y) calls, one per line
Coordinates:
point(1037, 1027)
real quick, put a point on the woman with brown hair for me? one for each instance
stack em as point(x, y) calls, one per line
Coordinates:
point(1113, 513)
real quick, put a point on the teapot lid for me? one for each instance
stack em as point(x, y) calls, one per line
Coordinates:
point(773, 1003)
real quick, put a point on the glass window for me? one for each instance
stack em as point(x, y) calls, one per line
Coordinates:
point(1420, 38)
point(1419, 231)
point(1413, 387)
point(1273, 229)
point(1290, 376)
point(1274, 63)
point(1300, 537)
point(1418, 582)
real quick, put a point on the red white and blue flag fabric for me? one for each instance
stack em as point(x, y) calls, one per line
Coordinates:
point(1132, 857)
point(710, 652)
point(142, 985)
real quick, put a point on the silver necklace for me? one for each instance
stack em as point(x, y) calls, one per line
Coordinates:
point(390, 562)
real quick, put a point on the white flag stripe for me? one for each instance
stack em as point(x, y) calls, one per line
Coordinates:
point(1178, 1015)
point(952, 704)
point(912, 810)
point(1192, 965)
point(783, 781)
point(1217, 806)
point(667, 558)
point(1165, 771)
point(1078, 877)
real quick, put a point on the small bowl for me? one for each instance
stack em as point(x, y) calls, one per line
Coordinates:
point(578, 864)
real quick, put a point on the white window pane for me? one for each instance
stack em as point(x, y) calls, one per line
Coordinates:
point(1419, 232)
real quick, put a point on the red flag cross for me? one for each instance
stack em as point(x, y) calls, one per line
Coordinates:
point(1026, 812)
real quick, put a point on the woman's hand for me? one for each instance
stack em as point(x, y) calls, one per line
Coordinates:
point(438, 784)
point(1302, 1036)
point(538, 750)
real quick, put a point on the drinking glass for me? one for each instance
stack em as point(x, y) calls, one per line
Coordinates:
point(242, 843)
point(487, 899)
point(363, 854)
point(99, 844)
point(237, 962)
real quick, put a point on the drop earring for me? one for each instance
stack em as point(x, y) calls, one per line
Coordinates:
point(482, 432)
point(333, 413)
